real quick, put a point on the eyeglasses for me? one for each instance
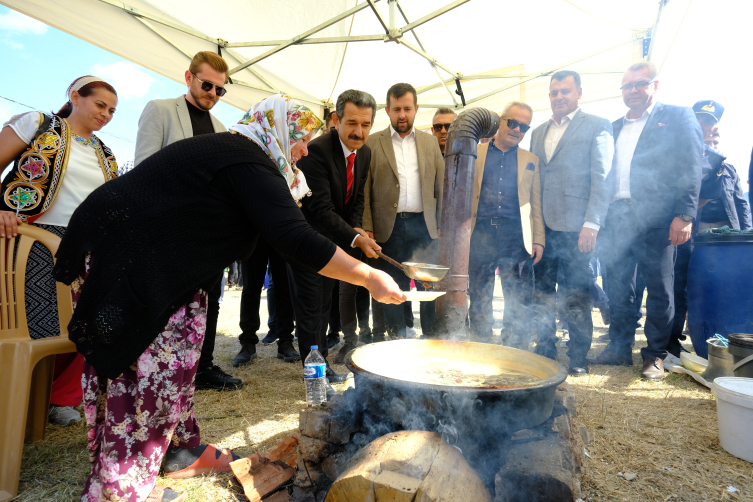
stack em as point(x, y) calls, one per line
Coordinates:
point(514, 124)
point(438, 127)
point(639, 86)
point(207, 86)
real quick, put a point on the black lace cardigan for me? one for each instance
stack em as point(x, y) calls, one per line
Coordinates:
point(161, 231)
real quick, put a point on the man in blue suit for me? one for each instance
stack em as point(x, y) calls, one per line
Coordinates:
point(657, 179)
point(575, 152)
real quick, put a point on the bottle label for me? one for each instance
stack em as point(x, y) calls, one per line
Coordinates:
point(314, 371)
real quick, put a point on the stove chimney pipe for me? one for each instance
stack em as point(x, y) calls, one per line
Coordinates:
point(457, 194)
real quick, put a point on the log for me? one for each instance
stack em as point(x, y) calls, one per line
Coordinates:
point(408, 466)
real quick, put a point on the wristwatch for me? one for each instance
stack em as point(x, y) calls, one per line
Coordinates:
point(686, 218)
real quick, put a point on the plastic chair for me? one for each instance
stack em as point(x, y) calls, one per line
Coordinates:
point(27, 364)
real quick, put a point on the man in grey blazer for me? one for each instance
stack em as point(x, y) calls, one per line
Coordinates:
point(401, 197)
point(575, 151)
point(165, 121)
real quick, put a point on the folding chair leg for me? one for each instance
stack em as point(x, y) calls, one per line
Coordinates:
point(39, 399)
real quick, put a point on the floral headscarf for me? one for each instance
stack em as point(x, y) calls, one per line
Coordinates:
point(276, 124)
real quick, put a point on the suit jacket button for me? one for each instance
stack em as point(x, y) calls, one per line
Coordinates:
point(398, 185)
point(394, 205)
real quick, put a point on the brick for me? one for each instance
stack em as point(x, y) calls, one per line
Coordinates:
point(320, 423)
point(314, 450)
point(281, 496)
point(309, 475)
point(284, 451)
point(260, 476)
point(334, 465)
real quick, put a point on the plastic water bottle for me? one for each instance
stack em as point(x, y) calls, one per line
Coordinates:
point(314, 373)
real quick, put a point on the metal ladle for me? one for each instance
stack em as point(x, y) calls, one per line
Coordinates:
point(420, 272)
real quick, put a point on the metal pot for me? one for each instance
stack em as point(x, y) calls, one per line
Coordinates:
point(389, 369)
point(720, 363)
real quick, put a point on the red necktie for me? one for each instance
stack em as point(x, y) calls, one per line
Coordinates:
point(349, 171)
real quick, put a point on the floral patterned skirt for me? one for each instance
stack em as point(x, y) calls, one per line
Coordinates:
point(133, 419)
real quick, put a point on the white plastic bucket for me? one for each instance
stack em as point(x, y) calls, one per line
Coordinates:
point(734, 409)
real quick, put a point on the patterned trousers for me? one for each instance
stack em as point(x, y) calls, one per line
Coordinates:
point(133, 419)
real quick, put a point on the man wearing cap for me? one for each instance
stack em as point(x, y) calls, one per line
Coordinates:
point(656, 178)
point(716, 208)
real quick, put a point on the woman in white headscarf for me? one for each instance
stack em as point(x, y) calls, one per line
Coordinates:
point(58, 162)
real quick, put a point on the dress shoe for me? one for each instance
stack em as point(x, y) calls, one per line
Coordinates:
point(329, 390)
point(63, 415)
point(335, 377)
point(269, 339)
point(578, 367)
point(606, 316)
point(604, 337)
point(653, 368)
point(332, 340)
point(610, 359)
point(213, 378)
point(246, 355)
point(340, 357)
point(287, 353)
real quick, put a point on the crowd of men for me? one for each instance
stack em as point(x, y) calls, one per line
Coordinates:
point(630, 192)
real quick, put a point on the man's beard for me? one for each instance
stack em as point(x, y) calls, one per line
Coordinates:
point(198, 103)
point(402, 129)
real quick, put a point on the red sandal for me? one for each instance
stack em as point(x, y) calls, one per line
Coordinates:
point(159, 492)
point(211, 460)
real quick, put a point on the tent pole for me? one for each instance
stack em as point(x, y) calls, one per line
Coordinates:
point(303, 35)
point(163, 36)
point(429, 17)
point(421, 45)
point(662, 3)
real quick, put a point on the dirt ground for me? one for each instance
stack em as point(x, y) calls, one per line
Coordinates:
point(665, 432)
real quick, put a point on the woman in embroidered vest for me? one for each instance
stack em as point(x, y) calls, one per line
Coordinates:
point(58, 162)
point(154, 241)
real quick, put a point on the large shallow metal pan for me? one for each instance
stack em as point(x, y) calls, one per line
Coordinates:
point(397, 366)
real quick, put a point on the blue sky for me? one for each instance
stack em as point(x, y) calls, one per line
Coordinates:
point(44, 61)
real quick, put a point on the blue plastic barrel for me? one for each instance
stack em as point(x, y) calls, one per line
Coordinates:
point(720, 288)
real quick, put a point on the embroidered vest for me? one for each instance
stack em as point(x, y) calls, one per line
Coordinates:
point(31, 186)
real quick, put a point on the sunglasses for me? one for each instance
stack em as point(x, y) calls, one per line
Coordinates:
point(514, 124)
point(438, 127)
point(207, 86)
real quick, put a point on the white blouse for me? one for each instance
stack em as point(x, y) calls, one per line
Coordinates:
point(82, 176)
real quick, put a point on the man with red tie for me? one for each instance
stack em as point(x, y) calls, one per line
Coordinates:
point(336, 169)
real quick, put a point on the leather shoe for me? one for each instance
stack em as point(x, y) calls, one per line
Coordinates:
point(246, 355)
point(610, 359)
point(335, 377)
point(340, 357)
point(653, 368)
point(332, 340)
point(213, 378)
point(365, 336)
point(329, 390)
point(287, 353)
point(578, 367)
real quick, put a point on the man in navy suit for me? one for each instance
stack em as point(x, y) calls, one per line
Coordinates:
point(656, 178)
point(336, 169)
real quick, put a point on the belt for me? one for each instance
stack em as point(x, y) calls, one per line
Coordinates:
point(500, 220)
point(409, 215)
point(623, 201)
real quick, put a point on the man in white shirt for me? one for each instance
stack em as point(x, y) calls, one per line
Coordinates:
point(402, 195)
point(575, 152)
point(656, 182)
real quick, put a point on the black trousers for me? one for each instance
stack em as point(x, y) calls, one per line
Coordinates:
point(312, 300)
point(500, 246)
point(254, 268)
point(563, 256)
point(680, 290)
point(629, 246)
point(213, 313)
point(409, 242)
point(335, 325)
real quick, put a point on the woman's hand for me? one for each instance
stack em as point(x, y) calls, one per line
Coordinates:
point(383, 288)
point(9, 224)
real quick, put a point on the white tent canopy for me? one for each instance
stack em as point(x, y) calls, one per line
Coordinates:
point(499, 51)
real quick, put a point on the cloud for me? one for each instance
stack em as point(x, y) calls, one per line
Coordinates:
point(14, 45)
point(18, 23)
point(129, 80)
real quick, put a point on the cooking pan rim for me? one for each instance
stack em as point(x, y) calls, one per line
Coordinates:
point(552, 381)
